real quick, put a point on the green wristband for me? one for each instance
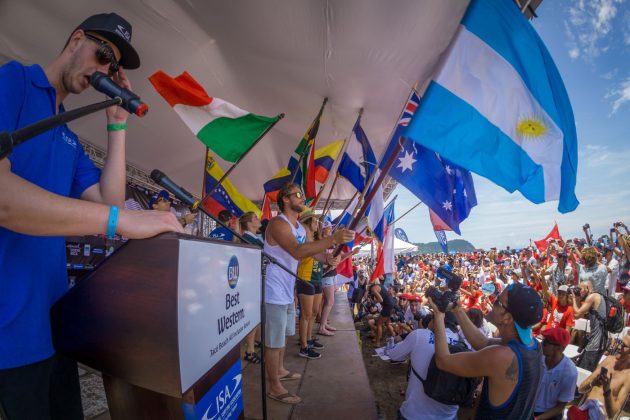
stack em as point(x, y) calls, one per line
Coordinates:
point(116, 127)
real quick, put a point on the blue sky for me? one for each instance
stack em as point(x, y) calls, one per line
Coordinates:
point(590, 43)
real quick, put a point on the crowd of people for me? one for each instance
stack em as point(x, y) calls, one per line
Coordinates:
point(531, 321)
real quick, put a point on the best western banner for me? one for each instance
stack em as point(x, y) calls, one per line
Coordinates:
point(218, 303)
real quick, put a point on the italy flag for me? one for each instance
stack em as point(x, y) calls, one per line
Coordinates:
point(224, 128)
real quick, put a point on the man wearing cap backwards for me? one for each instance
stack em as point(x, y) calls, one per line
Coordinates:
point(560, 377)
point(285, 240)
point(511, 364)
point(49, 189)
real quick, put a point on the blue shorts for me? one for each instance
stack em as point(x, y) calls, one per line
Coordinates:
point(279, 324)
point(328, 281)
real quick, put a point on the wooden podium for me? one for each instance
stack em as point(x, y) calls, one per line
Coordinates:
point(162, 319)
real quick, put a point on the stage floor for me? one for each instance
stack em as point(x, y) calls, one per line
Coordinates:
point(336, 386)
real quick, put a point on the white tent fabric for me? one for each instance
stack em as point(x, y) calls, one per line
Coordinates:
point(266, 57)
point(400, 247)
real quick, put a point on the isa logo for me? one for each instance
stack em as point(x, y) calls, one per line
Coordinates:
point(224, 401)
point(232, 272)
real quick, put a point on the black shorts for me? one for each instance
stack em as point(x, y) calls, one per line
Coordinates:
point(387, 310)
point(305, 287)
point(48, 389)
point(318, 287)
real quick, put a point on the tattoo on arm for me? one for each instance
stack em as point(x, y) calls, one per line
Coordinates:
point(511, 372)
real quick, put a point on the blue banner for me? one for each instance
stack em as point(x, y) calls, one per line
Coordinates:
point(400, 234)
point(224, 401)
point(441, 237)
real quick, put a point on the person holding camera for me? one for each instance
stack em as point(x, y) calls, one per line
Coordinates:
point(511, 364)
point(419, 347)
point(595, 307)
point(609, 384)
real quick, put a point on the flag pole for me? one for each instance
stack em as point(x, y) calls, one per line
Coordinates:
point(225, 175)
point(341, 153)
point(379, 181)
point(407, 212)
point(317, 118)
point(321, 189)
point(204, 220)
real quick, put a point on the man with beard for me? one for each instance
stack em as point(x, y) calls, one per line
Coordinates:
point(49, 188)
point(285, 240)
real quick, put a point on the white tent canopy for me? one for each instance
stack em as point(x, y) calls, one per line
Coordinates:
point(266, 57)
point(400, 247)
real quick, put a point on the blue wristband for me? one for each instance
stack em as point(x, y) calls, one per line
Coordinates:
point(112, 222)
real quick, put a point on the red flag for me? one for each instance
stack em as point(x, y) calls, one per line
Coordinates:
point(266, 209)
point(544, 243)
point(438, 224)
point(309, 187)
point(345, 267)
point(379, 269)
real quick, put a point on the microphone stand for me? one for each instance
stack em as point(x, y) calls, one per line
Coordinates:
point(9, 140)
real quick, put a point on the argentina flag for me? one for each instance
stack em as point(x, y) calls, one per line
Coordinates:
point(498, 107)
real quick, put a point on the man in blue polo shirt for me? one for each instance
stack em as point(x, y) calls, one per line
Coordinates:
point(49, 188)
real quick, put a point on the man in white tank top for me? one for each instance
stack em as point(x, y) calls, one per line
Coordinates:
point(285, 240)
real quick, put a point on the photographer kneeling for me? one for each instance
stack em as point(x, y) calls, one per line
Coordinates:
point(511, 364)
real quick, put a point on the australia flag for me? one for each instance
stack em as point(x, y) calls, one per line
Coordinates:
point(445, 188)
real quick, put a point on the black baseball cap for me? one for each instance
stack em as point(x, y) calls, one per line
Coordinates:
point(526, 308)
point(116, 30)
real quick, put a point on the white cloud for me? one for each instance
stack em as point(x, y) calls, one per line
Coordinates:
point(588, 26)
point(621, 93)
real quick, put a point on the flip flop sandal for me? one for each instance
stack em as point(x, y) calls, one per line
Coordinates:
point(252, 358)
point(326, 333)
point(287, 398)
point(291, 376)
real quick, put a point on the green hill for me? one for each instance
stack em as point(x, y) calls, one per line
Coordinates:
point(456, 245)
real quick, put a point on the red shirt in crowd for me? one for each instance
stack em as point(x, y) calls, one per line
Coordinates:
point(561, 317)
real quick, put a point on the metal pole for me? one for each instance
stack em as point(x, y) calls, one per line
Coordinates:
point(263, 379)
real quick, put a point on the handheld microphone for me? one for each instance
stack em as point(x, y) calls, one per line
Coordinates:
point(180, 193)
point(130, 101)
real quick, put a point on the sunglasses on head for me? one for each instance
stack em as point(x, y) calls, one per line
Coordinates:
point(104, 54)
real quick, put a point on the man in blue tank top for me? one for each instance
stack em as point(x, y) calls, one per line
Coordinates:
point(511, 364)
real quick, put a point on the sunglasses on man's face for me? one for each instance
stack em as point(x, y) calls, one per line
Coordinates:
point(297, 194)
point(105, 54)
